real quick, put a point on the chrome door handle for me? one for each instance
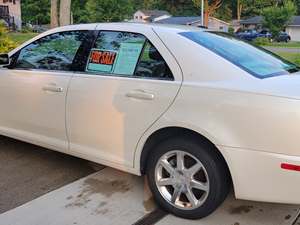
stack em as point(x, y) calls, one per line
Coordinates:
point(140, 94)
point(53, 89)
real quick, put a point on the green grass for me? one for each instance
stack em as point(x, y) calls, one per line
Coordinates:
point(20, 38)
point(292, 57)
point(291, 44)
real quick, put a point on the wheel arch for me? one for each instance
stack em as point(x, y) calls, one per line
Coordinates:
point(168, 132)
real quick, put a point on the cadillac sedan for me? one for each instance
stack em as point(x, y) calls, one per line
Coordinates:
point(196, 111)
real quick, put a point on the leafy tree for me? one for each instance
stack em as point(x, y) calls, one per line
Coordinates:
point(36, 12)
point(276, 18)
point(79, 11)
point(210, 7)
point(225, 12)
point(249, 8)
point(297, 4)
point(108, 10)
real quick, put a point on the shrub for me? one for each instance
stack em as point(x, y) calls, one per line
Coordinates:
point(27, 29)
point(261, 41)
point(231, 30)
point(5, 43)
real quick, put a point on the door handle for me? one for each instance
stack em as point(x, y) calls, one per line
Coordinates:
point(53, 88)
point(140, 94)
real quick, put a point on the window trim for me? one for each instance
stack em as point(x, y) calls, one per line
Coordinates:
point(123, 75)
point(15, 56)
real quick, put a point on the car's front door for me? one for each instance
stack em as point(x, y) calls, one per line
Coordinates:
point(33, 89)
point(130, 81)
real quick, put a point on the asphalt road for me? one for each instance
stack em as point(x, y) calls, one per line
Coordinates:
point(282, 49)
point(28, 171)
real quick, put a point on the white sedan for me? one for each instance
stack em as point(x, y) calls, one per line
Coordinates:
point(196, 111)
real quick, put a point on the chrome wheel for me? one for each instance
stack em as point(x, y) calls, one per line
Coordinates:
point(182, 180)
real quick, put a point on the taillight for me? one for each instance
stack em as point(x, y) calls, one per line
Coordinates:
point(288, 166)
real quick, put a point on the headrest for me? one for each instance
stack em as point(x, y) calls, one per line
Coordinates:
point(154, 54)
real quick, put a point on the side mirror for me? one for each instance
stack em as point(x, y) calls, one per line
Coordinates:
point(4, 60)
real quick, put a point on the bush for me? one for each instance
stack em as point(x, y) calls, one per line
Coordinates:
point(27, 29)
point(231, 30)
point(6, 44)
point(261, 41)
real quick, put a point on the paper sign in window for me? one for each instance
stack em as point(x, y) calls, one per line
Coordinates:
point(128, 57)
point(101, 60)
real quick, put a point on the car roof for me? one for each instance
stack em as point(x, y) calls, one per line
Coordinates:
point(132, 26)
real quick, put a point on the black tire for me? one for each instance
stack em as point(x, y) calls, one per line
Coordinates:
point(217, 171)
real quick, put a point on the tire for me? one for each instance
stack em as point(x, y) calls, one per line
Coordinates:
point(213, 176)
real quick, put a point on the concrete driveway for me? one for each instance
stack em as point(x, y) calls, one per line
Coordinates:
point(28, 171)
point(41, 187)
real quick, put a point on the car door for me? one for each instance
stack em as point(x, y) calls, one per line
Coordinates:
point(33, 89)
point(130, 81)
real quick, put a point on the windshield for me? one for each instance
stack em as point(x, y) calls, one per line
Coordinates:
point(257, 61)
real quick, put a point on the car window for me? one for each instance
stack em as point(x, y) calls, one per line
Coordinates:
point(257, 61)
point(126, 54)
point(54, 52)
point(152, 64)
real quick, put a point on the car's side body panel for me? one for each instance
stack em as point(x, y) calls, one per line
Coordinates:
point(103, 121)
point(31, 113)
point(250, 121)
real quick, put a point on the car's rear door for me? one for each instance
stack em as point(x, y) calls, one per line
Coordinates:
point(130, 81)
point(33, 89)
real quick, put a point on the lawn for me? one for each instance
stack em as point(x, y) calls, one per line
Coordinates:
point(292, 57)
point(20, 38)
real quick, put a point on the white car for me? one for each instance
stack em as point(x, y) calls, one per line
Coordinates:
point(193, 109)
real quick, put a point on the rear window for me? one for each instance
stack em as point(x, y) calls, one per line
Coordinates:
point(256, 61)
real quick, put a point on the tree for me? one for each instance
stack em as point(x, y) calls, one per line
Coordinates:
point(276, 18)
point(249, 8)
point(297, 3)
point(36, 12)
point(210, 6)
point(65, 12)
point(54, 13)
point(240, 5)
point(64, 16)
point(108, 10)
point(79, 12)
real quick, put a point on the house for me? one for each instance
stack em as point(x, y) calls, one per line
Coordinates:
point(293, 29)
point(252, 23)
point(10, 12)
point(150, 15)
point(213, 23)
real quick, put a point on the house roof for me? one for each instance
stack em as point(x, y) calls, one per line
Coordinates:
point(252, 20)
point(295, 21)
point(258, 20)
point(155, 13)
